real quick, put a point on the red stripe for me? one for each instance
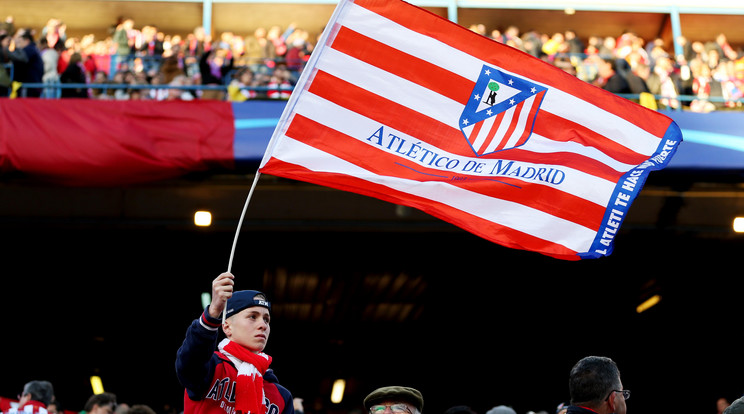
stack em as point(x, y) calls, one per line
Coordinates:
point(488, 230)
point(491, 132)
point(514, 60)
point(560, 129)
point(409, 67)
point(389, 113)
point(560, 204)
point(475, 132)
point(528, 128)
point(408, 121)
point(495, 127)
point(512, 126)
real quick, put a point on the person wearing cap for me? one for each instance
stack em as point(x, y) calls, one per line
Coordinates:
point(395, 399)
point(232, 376)
point(595, 387)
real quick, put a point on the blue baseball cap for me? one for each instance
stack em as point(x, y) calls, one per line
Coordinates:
point(246, 299)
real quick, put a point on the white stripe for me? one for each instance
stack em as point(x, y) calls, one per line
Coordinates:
point(516, 216)
point(480, 139)
point(556, 101)
point(503, 129)
point(205, 326)
point(413, 43)
point(524, 114)
point(578, 183)
point(516, 134)
point(540, 144)
point(602, 122)
point(392, 87)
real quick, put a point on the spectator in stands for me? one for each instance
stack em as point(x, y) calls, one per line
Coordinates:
point(607, 46)
point(150, 51)
point(713, 55)
point(624, 45)
point(725, 48)
point(298, 52)
point(736, 80)
point(574, 45)
point(180, 94)
point(496, 35)
point(564, 62)
point(213, 67)
point(237, 45)
point(637, 78)
point(75, 74)
point(277, 43)
point(688, 52)
point(7, 59)
point(556, 44)
point(50, 60)
point(728, 90)
point(608, 77)
point(262, 79)
point(124, 78)
point(197, 42)
point(512, 36)
point(123, 42)
point(170, 69)
point(701, 87)
point(32, 69)
point(100, 78)
point(241, 87)
point(136, 80)
point(592, 45)
point(479, 28)
point(7, 26)
point(637, 53)
point(158, 94)
point(530, 42)
point(54, 31)
point(665, 82)
point(280, 83)
point(256, 48)
point(65, 51)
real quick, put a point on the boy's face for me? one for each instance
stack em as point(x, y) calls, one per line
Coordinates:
point(249, 328)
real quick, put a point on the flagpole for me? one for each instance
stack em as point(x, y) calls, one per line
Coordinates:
point(237, 232)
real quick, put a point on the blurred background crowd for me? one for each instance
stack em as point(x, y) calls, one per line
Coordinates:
point(140, 62)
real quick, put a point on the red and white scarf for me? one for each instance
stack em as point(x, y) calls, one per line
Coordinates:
point(249, 393)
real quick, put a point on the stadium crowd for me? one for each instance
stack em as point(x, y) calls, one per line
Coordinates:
point(265, 64)
point(143, 63)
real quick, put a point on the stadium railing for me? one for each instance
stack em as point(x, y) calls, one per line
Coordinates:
point(54, 91)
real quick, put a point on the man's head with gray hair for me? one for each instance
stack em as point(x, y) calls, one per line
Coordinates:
point(41, 391)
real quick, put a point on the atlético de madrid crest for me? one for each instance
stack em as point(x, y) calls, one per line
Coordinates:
point(501, 111)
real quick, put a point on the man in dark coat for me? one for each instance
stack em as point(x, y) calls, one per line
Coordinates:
point(32, 70)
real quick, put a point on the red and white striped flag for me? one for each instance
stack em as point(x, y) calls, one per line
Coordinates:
point(403, 105)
